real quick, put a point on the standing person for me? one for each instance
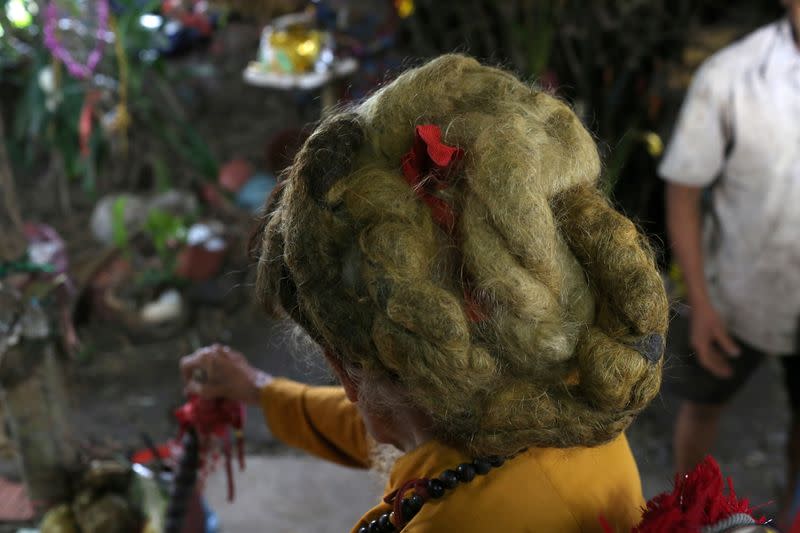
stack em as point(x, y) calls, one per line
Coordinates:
point(738, 136)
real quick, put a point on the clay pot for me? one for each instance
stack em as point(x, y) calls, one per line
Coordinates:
point(204, 254)
point(198, 263)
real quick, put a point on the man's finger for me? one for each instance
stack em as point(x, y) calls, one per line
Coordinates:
point(207, 390)
point(726, 343)
point(188, 365)
point(715, 362)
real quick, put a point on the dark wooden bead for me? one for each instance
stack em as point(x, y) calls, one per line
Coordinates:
point(374, 527)
point(449, 479)
point(411, 506)
point(495, 460)
point(385, 524)
point(418, 501)
point(466, 472)
point(481, 466)
point(363, 529)
point(435, 488)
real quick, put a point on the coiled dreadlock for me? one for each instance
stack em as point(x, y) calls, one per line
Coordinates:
point(571, 345)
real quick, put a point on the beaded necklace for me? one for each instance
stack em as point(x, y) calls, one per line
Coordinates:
point(425, 489)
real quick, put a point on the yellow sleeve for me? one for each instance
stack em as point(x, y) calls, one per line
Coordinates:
point(319, 420)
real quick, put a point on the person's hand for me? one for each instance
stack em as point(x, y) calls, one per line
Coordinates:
point(711, 342)
point(219, 372)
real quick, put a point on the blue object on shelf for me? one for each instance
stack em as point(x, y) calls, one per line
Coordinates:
point(253, 194)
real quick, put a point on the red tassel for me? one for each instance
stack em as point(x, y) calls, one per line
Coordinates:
point(697, 500)
point(213, 419)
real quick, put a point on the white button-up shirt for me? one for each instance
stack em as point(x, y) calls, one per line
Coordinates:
point(739, 134)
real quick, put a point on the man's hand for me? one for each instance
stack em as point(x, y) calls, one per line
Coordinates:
point(707, 335)
point(711, 342)
point(219, 372)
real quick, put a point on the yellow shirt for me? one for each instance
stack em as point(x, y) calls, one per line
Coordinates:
point(546, 490)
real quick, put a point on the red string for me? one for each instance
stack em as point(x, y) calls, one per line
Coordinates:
point(240, 447)
point(226, 449)
point(419, 486)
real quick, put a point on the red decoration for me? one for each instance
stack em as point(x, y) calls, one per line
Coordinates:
point(698, 500)
point(429, 167)
point(147, 456)
point(85, 121)
point(212, 420)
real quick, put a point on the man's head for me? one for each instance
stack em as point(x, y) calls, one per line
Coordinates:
point(532, 315)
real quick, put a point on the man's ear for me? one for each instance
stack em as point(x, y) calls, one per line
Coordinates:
point(350, 385)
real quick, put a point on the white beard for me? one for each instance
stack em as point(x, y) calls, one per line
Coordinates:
point(382, 459)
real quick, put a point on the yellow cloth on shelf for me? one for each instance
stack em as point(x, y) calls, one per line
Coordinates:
point(541, 490)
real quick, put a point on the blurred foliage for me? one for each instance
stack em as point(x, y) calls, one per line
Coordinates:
point(163, 232)
point(166, 231)
point(119, 230)
point(48, 102)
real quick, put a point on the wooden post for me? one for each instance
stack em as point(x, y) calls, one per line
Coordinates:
point(33, 395)
point(12, 240)
point(35, 402)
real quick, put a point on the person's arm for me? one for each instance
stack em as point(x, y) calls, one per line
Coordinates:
point(319, 420)
point(684, 226)
point(693, 160)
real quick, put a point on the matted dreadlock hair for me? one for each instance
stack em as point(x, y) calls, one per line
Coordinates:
point(573, 312)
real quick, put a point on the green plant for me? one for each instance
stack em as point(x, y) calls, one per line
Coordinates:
point(119, 230)
point(166, 231)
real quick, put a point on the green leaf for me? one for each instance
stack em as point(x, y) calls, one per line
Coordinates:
point(118, 230)
point(165, 231)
